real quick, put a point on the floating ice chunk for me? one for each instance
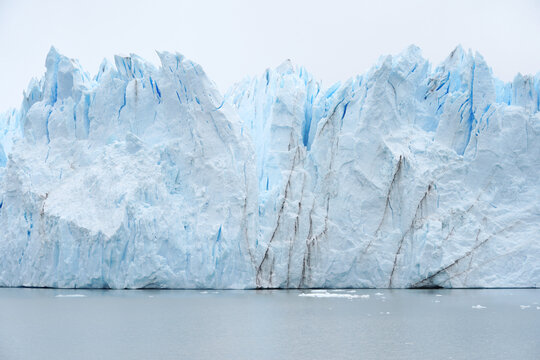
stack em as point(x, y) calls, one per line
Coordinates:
point(325, 294)
point(70, 296)
point(523, 307)
point(479, 307)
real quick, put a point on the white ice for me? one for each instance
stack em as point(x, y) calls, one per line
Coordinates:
point(147, 177)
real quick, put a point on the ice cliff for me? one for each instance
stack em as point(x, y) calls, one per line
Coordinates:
point(406, 176)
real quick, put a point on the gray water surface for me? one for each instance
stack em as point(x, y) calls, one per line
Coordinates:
point(349, 324)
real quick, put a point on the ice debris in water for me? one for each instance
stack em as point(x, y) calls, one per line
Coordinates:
point(325, 294)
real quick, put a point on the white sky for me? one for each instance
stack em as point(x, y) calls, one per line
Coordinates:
point(333, 39)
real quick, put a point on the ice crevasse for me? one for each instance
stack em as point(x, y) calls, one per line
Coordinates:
point(148, 177)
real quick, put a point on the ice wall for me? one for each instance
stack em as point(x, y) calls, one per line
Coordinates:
point(137, 178)
point(405, 176)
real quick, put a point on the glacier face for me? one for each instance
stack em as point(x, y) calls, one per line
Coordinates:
point(137, 178)
point(148, 177)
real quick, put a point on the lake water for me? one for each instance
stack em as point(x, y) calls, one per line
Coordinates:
point(310, 325)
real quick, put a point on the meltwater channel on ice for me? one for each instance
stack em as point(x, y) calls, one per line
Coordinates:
point(148, 177)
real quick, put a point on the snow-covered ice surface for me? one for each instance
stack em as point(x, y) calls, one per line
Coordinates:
point(405, 176)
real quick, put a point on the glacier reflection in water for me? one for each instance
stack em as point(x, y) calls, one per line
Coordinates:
point(310, 324)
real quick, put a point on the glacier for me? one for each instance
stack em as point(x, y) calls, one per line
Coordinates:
point(407, 176)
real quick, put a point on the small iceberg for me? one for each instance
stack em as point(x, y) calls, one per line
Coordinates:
point(478, 307)
point(326, 294)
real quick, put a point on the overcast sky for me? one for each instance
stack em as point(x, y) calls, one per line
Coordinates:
point(333, 39)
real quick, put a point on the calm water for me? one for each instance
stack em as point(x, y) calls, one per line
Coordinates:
point(398, 324)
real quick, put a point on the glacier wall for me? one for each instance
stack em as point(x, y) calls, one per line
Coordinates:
point(405, 176)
